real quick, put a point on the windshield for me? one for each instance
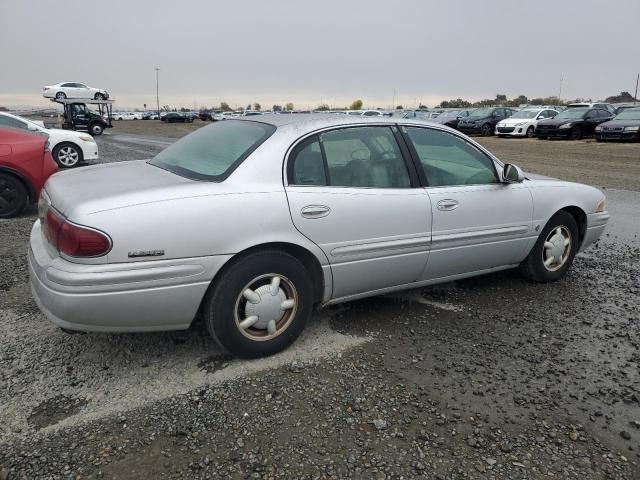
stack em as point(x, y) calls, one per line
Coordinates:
point(629, 114)
point(572, 113)
point(525, 114)
point(213, 152)
point(481, 113)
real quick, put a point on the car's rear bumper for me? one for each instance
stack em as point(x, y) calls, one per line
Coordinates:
point(596, 223)
point(119, 297)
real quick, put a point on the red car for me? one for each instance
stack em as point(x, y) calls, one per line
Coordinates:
point(25, 165)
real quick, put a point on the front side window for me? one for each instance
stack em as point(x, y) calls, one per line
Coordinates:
point(213, 152)
point(364, 157)
point(12, 122)
point(448, 160)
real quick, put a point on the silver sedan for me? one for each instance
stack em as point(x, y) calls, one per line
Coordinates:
point(256, 222)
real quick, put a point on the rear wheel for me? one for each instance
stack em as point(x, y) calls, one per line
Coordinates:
point(99, 96)
point(553, 252)
point(530, 132)
point(13, 196)
point(67, 155)
point(486, 130)
point(259, 305)
point(61, 95)
point(576, 133)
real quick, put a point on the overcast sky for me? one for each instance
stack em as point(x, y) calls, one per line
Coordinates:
point(278, 51)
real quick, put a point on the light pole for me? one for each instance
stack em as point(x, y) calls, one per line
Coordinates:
point(635, 95)
point(560, 90)
point(157, 94)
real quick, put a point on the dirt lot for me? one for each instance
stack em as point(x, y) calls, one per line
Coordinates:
point(488, 378)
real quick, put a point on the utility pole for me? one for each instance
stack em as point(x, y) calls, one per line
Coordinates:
point(635, 95)
point(157, 94)
point(560, 91)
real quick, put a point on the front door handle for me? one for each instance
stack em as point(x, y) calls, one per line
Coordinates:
point(315, 211)
point(448, 204)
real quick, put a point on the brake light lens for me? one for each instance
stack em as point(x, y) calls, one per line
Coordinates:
point(74, 240)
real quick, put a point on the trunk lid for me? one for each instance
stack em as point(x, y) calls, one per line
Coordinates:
point(114, 185)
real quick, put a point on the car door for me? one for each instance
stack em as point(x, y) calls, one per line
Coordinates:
point(478, 223)
point(355, 193)
point(497, 115)
point(82, 91)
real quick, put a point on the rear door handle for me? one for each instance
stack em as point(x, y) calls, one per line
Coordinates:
point(448, 204)
point(315, 211)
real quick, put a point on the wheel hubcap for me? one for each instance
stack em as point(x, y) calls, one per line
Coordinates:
point(556, 249)
point(68, 156)
point(266, 306)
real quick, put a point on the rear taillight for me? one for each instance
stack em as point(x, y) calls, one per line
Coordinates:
point(74, 240)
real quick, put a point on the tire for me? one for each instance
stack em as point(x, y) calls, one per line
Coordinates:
point(99, 96)
point(61, 96)
point(67, 155)
point(96, 129)
point(225, 305)
point(533, 267)
point(13, 196)
point(576, 133)
point(486, 130)
point(531, 132)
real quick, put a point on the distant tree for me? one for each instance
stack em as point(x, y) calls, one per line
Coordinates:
point(289, 106)
point(4, 109)
point(276, 108)
point(457, 103)
point(624, 97)
point(519, 100)
point(166, 108)
point(501, 98)
point(224, 106)
point(323, 108)
point(422, 107)
point(257, 106)
point(356, 105)
point(184, 109)
point(399, 107)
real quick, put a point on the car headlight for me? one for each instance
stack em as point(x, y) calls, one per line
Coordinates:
point(602, 205)
point(86, 138)
point(518, 124)
point(566, 125)
point(631, 129)
point(598, 128)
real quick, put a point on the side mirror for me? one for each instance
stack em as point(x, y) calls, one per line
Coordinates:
point(512, 174)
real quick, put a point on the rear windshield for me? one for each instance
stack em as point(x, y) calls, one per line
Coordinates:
point(213, 152)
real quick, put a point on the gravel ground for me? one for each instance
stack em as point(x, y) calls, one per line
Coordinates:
point(492, 377)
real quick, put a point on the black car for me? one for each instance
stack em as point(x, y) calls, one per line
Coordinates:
point(573, 123)
point(484, 120)
point(625, 126)
point(78, 117)
point(205, 115)
point(451, 118)
point(177, 117)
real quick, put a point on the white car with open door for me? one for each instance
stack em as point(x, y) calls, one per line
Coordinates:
point(63, 90)
point(68, 148)
point(523, 123)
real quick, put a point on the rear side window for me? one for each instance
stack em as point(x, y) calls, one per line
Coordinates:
point(212, 153)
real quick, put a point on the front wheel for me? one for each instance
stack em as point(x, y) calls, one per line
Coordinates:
point(61, 95)
point(13, 196)
point(67, 155)
point(554, 251)
point(259, 305)
point(96, 129)
point(99, 96)
point(486, 130)
point(530, 132)
point(576, 133)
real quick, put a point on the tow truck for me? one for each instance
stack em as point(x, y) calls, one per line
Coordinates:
point(78, 117)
